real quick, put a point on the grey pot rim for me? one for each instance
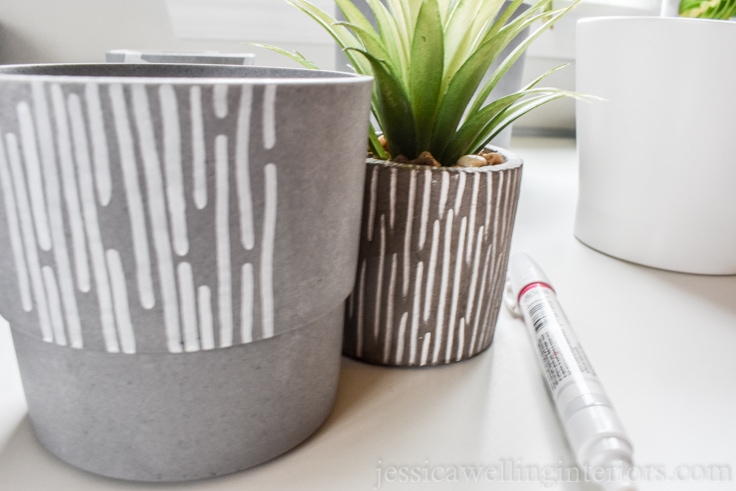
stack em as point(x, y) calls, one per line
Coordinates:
point(512, 161)
point(288, 76)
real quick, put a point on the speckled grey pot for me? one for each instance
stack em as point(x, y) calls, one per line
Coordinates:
point(180, 241)
point(432, 263)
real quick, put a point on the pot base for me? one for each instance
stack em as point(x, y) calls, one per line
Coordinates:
point(164, 417)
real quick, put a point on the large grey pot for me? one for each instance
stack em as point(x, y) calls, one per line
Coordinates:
point(179, 243)
point(432, 264)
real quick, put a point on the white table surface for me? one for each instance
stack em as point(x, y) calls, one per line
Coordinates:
point(664, 345)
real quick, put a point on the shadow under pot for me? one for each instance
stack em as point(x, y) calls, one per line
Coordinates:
point(432, 264)
point(166, 324)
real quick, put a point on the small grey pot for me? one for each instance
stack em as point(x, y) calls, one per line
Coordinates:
point(180, 241)
point(432, 263)
point(157, 56)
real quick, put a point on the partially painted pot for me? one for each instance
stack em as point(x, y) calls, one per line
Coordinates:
point(432, 263)
point(179, 244)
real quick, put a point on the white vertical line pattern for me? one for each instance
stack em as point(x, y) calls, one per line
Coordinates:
point(392, 199)
point(199, 170)
point(91, 224)
point(246, 303)
point(206, 329)
point(471, 223)
point(71, 193)
point(134, 199)
point(401, 338)
point(415, 309)
point(172, 168)
point(425, 208)
point(361, 309)
point(372, 202)
point(269, 117)
point(56, 220)
point(446, 259)
point(379, 281)
point(157, 214)
point(25, 216)
point(222, 227)
point(99, 143)
point(474, 274)
point(35, 180)
point(55, 314)
point(460, 191)
point(489, 199)
point(425, 349)
point(219, 97)
point(444, 191)
point(431, 269)
point(461, 340)
point(389, 323)
point(452, 323)
point(242, 168)
point(16, 240)
point(120, 302)
point(481, 298)
point(407, 233)
point(188, 302)
point(267, 246)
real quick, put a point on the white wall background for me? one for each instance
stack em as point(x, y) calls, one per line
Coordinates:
point(53, 31)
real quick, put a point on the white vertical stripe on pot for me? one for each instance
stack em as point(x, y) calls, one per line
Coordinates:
point(361, 309)
point(452, 322)
point(489, 199)
point(392, 199)
point(56, 219)
point(199, 170)
point(206, 325)
point(471, 222)
point(188, 302)
point(91, 223)
point(426, 342)
point(246, 303)
point(408, 231)
point(389, 322)
point(119, 286)
point(222, 227)
point(267, 245)
point(444, 280)
point(133, 196)
point(219, 98)
point(242, 168)
point(431, 269)
point(425, 208)
point(55, 315)
point(415, 310)
point(379, 281)
point(461, 340)
point(460, 192)
point(373, 195)
point(474, 274)
point(401, 338)
point(100, 155)
point(172, 168)
point(269, 117)
point(16, 240)
point(25, 216)
point(155, 193)
point(477, 334)
point(444, 191)
point(35, 180)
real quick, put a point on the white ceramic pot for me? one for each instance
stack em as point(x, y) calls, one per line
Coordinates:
point(657, 158)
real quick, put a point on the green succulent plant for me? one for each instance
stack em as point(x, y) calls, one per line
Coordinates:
point(708, 9)
point(429, 59)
